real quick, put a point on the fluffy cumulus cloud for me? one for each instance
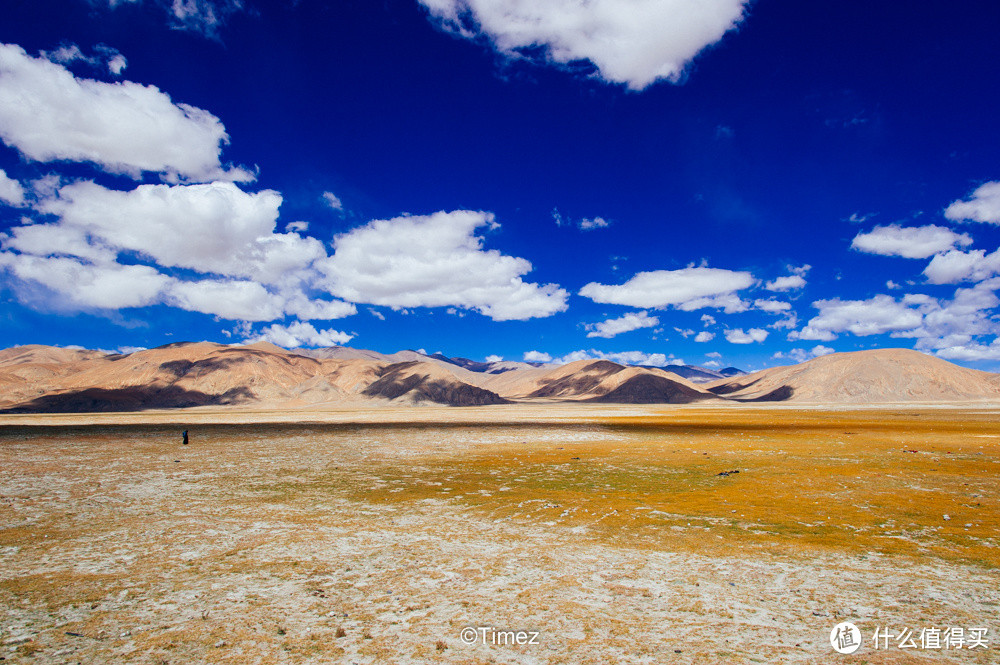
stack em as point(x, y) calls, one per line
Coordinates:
point(48, 114)
point(983, 206)
point(537, 357)
point(973, 352)
point(796, 280)
point(704, 336)
point(228, 299)
point(77, 284)
point(738, 336)
point(918, 242)
point(634, 43)
point(801, 355)
point(436, 261)
point(11, 191)
point(957, 266)
point(630, 321)
point(621, 357)
point(299, 334)
point(772, 306)
point(210, 228)
point(686, 289)
point(245, 271)
point(961, 328)
point(875, 316)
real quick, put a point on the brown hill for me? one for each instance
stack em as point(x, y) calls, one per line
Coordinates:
point(599, 380)
point(416, 382)
point(863, 377)
point(205, 374)
point(48, 379)
point(649, 388)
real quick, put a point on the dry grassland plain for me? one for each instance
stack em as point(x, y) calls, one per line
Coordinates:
point(377, 535)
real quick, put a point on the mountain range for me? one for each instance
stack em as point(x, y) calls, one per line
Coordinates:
point(44, 379)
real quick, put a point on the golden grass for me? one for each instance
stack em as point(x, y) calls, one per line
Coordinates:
point(809, 482)
point(331, 542)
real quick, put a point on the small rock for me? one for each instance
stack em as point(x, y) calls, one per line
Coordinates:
point(947, 517)
point(220, 644)
point(20, 639)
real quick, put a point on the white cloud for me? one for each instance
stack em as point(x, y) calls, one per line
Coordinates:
point(788, 283)
point(78, 284)
point(737, 336)
point(297, 304)
point(772, 306)
point(594, 223)
point(213, 229)
point(790, 321)
point(299, 334)
point(297, 227)
point(11, 191)
point(801, 355)
point(795, 280)
point(912, 242)
point(708, 319)
point(585, 224)
point(229, 299)
point(983, 206)
point(635, 43)
point(210, 228)
point(436, 261)
point(971, 352)
point(104, 58)
point(686, 289)
point(713, 354)
point(494, 359)
point(958, 266)
point(875, 316)
point(57, 239)
point(537, 357)
point(621, 357)
point(712, 363)
point(117, 64)
point(704, 336)
point(630, 321)
point(332, 202)
point(48, 114)
point(205, 17)
point(957, 321)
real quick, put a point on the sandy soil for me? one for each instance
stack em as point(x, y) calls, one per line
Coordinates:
point(376, 536)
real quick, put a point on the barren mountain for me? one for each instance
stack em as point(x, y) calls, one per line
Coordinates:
point(415, 382)
point(47, 379)
point(599, 380)
point(862, 377)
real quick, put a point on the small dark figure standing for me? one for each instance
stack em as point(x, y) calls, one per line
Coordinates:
point(185, 438)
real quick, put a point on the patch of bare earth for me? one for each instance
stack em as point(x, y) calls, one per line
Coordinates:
point(615, 539)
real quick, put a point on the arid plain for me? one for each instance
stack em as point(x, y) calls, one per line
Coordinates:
point(618, 533)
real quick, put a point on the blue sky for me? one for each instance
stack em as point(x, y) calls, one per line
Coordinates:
point(732, 183)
